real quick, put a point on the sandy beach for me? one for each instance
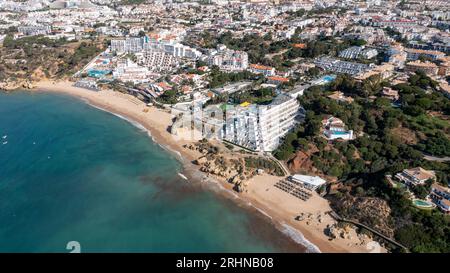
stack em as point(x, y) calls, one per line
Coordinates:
point(279, 206)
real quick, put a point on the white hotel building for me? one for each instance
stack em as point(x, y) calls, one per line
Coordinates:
point(128, 71)
point(261, 127)
point(276, 120)
point(129, 45)
point(141, 44)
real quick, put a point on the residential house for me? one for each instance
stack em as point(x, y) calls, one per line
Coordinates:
point(416, 176)
point(390, 93)
point(334, 128)
point(262, 69)
point(339, 96)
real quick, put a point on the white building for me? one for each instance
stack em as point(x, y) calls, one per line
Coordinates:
point(129, 71)
point(34, 30)
point(414, 54)
point(241, 127)
point(172, 48)
point(334, 128)
point(276, 120)
point(441, 197)
point(311, 182)
point(415, 176)
point(182, 51)
point(262, 69)
point(232, 87)
point(227, 59)
point(338, 66)
point(129, 45)
point(356, 52)
point(286, 34)
point(261, 127)
point(141, 44)
point(158, 61)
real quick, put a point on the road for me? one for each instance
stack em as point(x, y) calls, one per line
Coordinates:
point(435, 158)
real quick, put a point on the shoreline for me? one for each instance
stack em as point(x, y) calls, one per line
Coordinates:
point(288, 230)
point(155, 122)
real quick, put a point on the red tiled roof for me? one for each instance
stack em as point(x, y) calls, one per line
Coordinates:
point(302, 46)
point(278, 79)
point(164, 85)
point(261, 67)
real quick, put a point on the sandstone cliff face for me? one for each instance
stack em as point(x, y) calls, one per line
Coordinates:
point(233, 172)
point(372, 211)
point(299, 162)
point(338, 230)
point(232, 167)
point(302, 163)
point(12, 85)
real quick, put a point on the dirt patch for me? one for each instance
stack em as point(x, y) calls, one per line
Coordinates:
point(405, 135)
point(440, 115)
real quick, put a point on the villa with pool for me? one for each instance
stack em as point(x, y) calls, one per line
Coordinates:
point(334, 128)
point(439, 195)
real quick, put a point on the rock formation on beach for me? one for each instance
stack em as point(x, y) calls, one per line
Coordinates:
point(372, 211)
point(233, 167)
point(13, 85)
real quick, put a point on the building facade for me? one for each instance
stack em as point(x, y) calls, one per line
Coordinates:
point(227, 59)
point(261, 127)
point(416, 176)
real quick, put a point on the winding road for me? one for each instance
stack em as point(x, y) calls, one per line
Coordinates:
point(435, 158)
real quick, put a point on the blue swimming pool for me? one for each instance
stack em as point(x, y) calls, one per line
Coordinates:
point(329, 78)
point(324, 80)
point(422, 204)
point(98, 73)
point(340, 132)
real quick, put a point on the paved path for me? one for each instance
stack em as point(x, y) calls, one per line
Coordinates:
point(285, 169)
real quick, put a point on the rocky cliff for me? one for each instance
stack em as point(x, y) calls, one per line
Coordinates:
point(234, 167)
point(372, 211)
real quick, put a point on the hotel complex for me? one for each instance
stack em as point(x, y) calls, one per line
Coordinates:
point(227, 59)
point(261, 127)
point(141, 44)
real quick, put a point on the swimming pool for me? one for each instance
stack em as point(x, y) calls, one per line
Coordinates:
point(422, 204)
point(98, 73)
point(329, 78)
point(324, 80)
point(340, 132)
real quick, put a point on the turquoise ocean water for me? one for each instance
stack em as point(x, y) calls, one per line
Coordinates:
point(70, 172)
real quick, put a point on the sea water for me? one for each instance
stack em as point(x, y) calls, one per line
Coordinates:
point(70, 172)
